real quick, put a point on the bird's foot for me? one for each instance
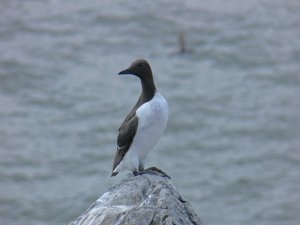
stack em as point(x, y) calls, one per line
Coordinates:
point(153, 171)
point(136, 173)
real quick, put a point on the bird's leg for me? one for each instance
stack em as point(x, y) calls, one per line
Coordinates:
point(140, 170)
point(135, 172)
point(141, 167)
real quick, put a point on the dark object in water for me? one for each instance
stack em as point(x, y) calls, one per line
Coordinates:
point(182, 44)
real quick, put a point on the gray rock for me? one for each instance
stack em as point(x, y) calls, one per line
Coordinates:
point(142, 200)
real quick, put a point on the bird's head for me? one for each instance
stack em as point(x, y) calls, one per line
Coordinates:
point(139, 68)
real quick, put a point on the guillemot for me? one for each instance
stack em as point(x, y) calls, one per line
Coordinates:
point(144, 124)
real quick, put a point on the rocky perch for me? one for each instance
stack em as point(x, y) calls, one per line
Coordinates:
point(148, 199)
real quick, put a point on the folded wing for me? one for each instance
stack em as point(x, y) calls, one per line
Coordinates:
point(125, 137)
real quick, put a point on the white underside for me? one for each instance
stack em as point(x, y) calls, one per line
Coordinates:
point(152, 121)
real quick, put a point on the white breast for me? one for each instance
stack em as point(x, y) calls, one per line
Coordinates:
point(152, 121)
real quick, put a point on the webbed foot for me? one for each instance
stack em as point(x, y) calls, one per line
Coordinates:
point(152, 171)
point(156, 170)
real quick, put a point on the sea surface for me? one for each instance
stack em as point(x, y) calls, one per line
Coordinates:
point(232, 144)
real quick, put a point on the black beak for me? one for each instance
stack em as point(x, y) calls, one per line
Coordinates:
point(127, 71)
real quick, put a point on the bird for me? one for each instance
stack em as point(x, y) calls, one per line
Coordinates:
point(182, 44)
point(144, 124)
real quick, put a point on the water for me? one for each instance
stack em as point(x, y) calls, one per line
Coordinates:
point(232, 141)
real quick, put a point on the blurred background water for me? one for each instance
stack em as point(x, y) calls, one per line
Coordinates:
point(233, 137)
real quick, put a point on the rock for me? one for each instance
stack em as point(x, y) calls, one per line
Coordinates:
point(148, 199)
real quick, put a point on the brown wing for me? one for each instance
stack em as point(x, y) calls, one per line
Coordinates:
point(125, 138)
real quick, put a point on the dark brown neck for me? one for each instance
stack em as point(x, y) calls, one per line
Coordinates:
point(148, 88)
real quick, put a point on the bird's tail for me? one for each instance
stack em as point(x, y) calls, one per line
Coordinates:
point(114, 173)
